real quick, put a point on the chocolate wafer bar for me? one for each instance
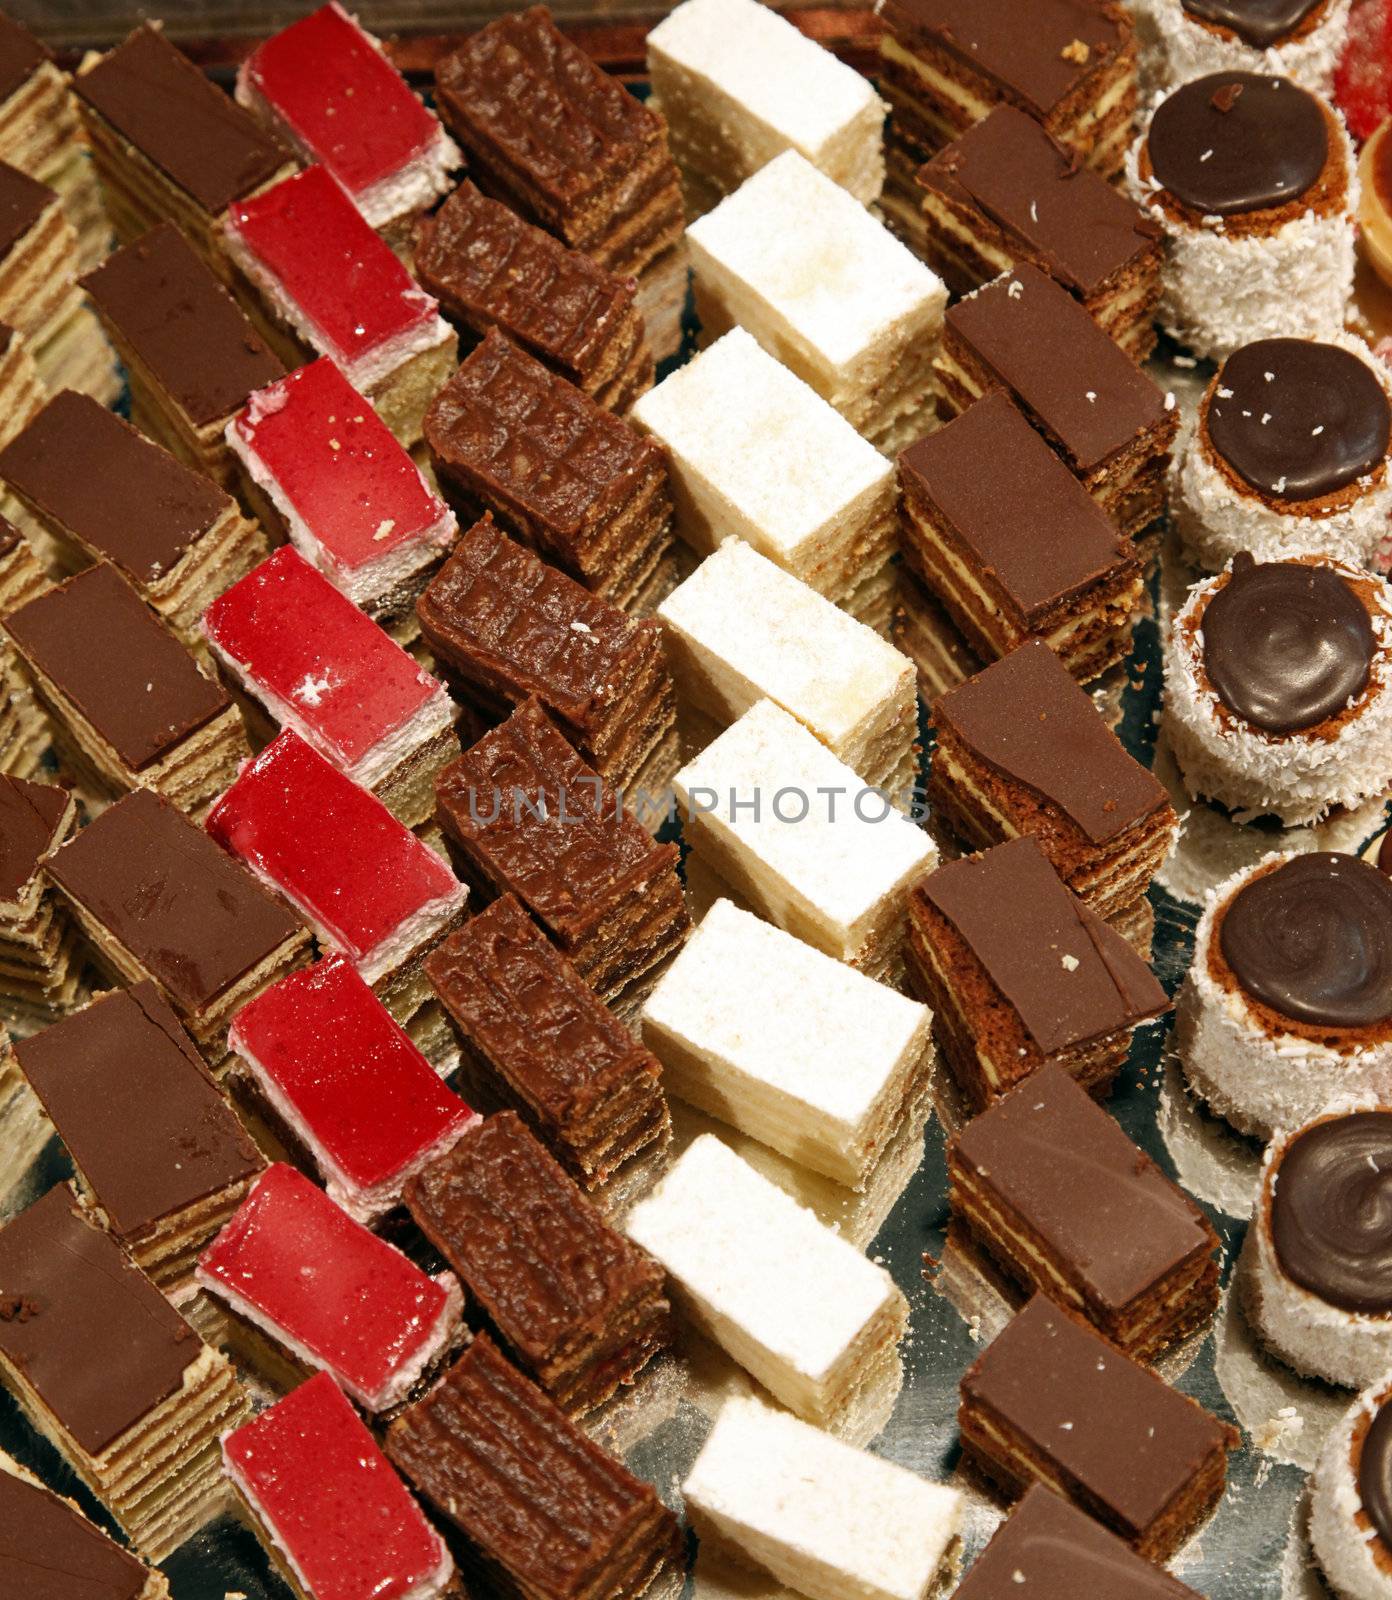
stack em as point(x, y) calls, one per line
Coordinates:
point(22, 391)
point(546, 1512)
point(109, 1372)
point(579, 1306)
point(24, 1130)
point(131, 707)
point(24, 729)
point(540, 1040)
point(489, 268)
point(559, 472)
point(40, 962)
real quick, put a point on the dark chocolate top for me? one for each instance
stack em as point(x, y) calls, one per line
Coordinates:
point(175, 116)
point(97, 1342)
point(1260, 23)
point(1384, 855)
point(1128, 1439)
point(20, 55)
point(22, 202)
point(1077, 384)
point(176, 1139)
point(1331, 1211)
point(95, 640)
point(161, 298)
point(93, 477)
point(29, 818)
point(1238, 141)
point(1297, 419)
point(1312, 939)
point(1069, 976)
point(1026, 717)
point(1285, 644)
point(1375, 1473)
point(49, 1550)
point(195, 919)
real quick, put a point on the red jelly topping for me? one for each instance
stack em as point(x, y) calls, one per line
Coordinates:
point(1363, 77)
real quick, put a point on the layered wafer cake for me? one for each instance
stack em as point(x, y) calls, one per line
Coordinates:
point(739, 84)
point(504, 625)
point(96, 490)
point(581, 1308)
point(1051, 1401)
point(794, 831)
point(308, 659)
point(192, 356)
point(602, 180)
point(24, 1130)
point(1004, 192)
point(131, 707)
point(796, 1305)
point(330, 286)
point(1252, 180)
point(1021, 749)
point(40, 962)
point(538, 1039)
point(508, 435)
point(334, 1518)
point(327, 88)
point(1303, 39)
point(22, 391)
point(1026, 335)
point(545, 1511)
point(490, 268)
point(367, 885)
point(158, 899)
point(325, 1064)
point(817, 1514)
point(755, 452)
point(797, 262)
point(1052, 1188)
point(312, 1290)
point(169, 145)
point(328, 475)
point(109, 1372)
point(24, 728)
point(998, 531)
point(526, 815)
point(1350, 1515)
point(1050, 982)
point(165, 1175)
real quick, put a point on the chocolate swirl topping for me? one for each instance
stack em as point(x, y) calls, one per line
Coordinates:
point(1313, 940)
point(1297, 419)
point(1286, 645)
point(1331, 1211)
point(1260, 23)
point(1238, 141)
point(1375, 1473)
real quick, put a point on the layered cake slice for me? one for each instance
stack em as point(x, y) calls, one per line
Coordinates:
point(22, 391)
point(490, 268)
point(367, 885)
point(539, 1039)
point(330, 285)
point(40, 962)
point(324, 1062)
point(96, 490)
point(800, 264)
point(309, 660)
point(579, 1306)
point(1026, 335)
point(562, 474)
point(24, 1130)
point(1050, 982)
point(336, 484)
point(113, 1377)
point(131, 707)
point(24, 728)
point(310, 1289)
point(164, 1176)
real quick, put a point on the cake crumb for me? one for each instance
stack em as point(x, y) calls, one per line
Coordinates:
point(1075, 51)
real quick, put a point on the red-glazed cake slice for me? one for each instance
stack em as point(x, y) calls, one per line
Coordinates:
point(301, 1271)
point(366, 883)
point(326, 85)
point(346, 1084)
point(328, 1506)
point(352, 500)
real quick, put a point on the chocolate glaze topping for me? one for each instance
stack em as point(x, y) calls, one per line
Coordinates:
point(1384, 856)
point(1313, 940)
point(1375, 1473)
point(1257, 22)
point(1221, 152)
point(1285, 644)
point(1297, 419)
point(1331, 1211)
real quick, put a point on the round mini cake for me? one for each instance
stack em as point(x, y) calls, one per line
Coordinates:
point(1252, 180)
point(1375, 201)
point(1315, 1275)
point(1351, 1498)
point(1289, 456)
point(1287, 1006)
point(1277, 697)
point(1301, 38)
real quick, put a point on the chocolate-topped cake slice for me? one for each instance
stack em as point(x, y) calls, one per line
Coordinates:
point(1026, 335)
point(24, 1130)
point(22, 391)
point(40, 962)
point(24, 729)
